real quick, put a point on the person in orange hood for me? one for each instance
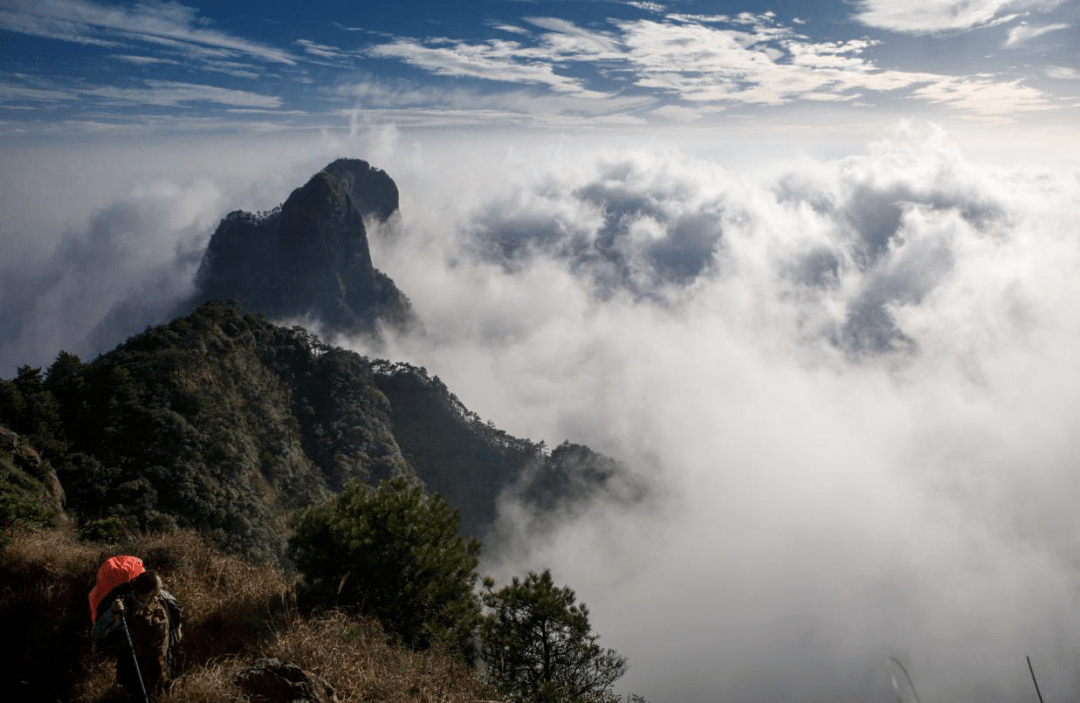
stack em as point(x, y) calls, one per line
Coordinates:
point(140, 621)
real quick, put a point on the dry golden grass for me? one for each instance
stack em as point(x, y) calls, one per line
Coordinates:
point(329, 645)
point(234, 612)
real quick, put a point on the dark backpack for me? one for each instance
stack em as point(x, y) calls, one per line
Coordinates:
point(174, 611)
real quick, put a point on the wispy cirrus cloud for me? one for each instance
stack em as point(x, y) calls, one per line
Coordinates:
point(236, 69)
point(21, 89)
point(322, 51)
point(932, 16)
point(89, 22)
point(493, 60)
point(174, 93)
point(770, 66)
point(647, 6)
point(1062, 73)
point(774, 66)
point(145, 60)
point(424, 103)
point(565, 40)
point(985, 98)
point(710, 62)
point(510, 28)
point(1023, 32)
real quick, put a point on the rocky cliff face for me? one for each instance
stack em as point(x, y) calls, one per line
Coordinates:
point(309, 258)
point(373, 193)
point(30, 492)
point(473, 464)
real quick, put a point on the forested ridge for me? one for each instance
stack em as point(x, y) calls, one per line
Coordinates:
point(223, 422)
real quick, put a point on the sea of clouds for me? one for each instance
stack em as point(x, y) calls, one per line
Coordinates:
point(852, 383)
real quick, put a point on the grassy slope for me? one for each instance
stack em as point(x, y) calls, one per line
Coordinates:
point(234, 612)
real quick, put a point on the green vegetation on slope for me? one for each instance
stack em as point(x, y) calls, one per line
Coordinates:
point(470, 462)
point(395, 553)
point(216, 421)
point(226, 423)
point(30, 493)
point(372, 558)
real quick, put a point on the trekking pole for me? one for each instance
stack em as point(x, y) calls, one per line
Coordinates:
point(135, 659)
point(896, 687)
point(1032, 670)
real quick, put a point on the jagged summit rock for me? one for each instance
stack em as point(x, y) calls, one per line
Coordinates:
point(309, 258)
point(373, 192)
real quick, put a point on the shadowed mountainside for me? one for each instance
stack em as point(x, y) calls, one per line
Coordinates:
point(226, 423)
point(216, 421)
point(472, 463)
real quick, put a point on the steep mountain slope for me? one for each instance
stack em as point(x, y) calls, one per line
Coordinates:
point(226, 423)
point(472, 464)
point(216, 421)
point(234, 613)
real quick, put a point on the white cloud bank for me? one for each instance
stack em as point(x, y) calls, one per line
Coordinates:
point(144, 247)
point(854, 381)
point(90, 232)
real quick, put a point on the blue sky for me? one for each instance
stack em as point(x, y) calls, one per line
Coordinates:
point(75, 66)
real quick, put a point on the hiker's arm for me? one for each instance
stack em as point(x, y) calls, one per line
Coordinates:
point(108, 620)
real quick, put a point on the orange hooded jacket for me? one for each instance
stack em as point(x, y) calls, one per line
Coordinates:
point(112, 573)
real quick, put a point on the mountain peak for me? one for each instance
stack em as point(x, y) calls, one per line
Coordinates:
point(310, 256)
point(373, 192)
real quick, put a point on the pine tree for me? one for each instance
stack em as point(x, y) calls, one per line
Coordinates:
point(538, 645)
point(395, 553)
